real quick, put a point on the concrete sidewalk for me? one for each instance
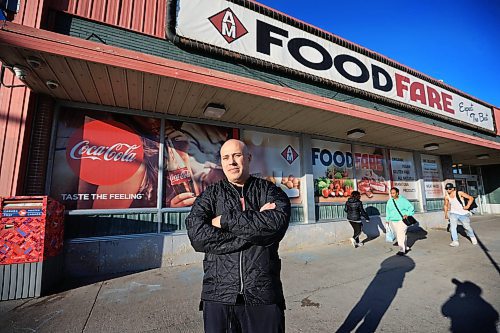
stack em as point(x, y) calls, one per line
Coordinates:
point(326, 288)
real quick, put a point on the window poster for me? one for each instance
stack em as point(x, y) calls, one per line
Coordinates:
point(192, 160)
point(105, 160)
point(433, 176)
point(332, 171)
point(371, 173)
point(403, 173)
point(276, 158)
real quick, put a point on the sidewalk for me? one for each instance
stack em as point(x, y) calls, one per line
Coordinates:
point(324, 288)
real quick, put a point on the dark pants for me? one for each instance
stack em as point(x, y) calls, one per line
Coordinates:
point(357, 226)
point(220, 318)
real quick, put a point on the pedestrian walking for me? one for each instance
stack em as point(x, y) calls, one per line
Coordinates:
point(397, 209)
point(354, 209)
point(238, 223)
point(456, 209)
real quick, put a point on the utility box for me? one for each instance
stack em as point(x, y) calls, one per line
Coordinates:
point(31, 241)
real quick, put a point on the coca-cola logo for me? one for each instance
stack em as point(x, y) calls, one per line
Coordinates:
point(104, 152)
point(179, 176)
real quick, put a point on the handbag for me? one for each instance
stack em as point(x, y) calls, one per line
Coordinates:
point(389, 234)
point(409, 220)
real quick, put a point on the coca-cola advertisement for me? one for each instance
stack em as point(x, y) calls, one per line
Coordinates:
point(192, 160)
point(105, 160)
point(371, 173)
point(276, 158)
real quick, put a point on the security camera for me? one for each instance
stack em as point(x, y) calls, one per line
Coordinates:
point(20, 72)
point(52, 84)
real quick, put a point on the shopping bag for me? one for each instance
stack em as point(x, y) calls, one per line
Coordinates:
point(389, 234)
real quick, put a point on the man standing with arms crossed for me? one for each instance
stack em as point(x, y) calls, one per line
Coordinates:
point(454, 202)
point(238, 223)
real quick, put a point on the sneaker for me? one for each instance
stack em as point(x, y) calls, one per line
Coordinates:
point(473, 240)
point(401, 253)
point(353, 242)
point(360, 244)
point(454, 244)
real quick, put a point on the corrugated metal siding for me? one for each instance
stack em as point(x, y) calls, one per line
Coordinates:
point(142, 16)
point(14, 107)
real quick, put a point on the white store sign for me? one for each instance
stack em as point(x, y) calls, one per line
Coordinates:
point(235, 28)
point(403, 173)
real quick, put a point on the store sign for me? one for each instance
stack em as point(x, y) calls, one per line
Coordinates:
point(403, 173)
point(433, 176)
point(235, 28)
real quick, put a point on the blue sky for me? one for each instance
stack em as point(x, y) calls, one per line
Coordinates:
point(457, 41)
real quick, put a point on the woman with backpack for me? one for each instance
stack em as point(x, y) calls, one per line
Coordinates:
point(354, 209)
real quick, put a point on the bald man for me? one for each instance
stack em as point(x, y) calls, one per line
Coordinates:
point(238, 223)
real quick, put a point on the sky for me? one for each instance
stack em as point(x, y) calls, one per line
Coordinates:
point(457, 41)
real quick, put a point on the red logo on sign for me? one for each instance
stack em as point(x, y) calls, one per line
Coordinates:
point(104, 152)
point(228, 25)
point(22, 212)
point(289, 154)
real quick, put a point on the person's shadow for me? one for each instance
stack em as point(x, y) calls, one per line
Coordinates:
point(378, 296)
point(415, 233)
point(468, 311)
point(372, 228)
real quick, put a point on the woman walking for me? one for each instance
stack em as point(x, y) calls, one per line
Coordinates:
point(354, 209)
point(398, 208)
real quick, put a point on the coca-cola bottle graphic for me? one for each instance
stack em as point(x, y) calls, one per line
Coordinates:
point(180, 178)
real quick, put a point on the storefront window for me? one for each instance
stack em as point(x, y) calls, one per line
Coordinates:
point(403, 174)
point(371, 173)
point(105, 160)
point(277, 158)
point(433, 182)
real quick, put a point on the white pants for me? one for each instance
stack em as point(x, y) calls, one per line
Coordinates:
point(400, 230)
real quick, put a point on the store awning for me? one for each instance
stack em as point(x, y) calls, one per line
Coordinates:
point(90, 72)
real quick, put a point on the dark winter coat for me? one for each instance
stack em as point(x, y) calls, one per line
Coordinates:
point(354, 209)
point(242, 256)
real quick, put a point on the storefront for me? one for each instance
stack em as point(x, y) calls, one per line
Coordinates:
point(122, 109)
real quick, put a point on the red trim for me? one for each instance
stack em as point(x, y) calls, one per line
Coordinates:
point(14, 35)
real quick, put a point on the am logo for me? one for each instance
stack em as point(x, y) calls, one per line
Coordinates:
point(228, 25)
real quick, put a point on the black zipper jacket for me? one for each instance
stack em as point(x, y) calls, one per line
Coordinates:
point(242, 256)
point(354, 209)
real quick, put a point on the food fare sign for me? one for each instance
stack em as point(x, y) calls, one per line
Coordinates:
point(232, 27)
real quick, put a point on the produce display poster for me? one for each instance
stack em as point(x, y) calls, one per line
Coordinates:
point(276, 158)
point(332, 171)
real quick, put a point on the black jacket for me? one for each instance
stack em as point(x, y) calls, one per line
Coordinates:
point(241, 256)
point(354, 209)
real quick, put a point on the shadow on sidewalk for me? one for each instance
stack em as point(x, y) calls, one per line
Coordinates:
point(468, 311)
point(373, 227)
point(414, 234)
point(378, 296)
